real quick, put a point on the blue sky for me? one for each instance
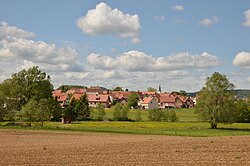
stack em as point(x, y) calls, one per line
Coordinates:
point(133, 44)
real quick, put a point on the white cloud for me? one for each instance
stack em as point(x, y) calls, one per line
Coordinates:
point(242, 59)
point(136, 61)
point(209, 21)
point(105, 20)
point(112, 75)
point(160, 18)
point(178, 7)
point(6, 30)
point(247, 18)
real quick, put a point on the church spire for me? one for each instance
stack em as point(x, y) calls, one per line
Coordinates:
point(159, 90)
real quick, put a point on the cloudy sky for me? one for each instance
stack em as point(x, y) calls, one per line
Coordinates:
point(133, 44)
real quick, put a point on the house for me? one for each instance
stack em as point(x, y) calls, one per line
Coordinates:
point(95, 99)
point(169, 101)
point(187, 102)
point(149, 103)
point(119, 96)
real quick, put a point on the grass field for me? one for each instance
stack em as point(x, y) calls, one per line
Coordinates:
point(188, 125)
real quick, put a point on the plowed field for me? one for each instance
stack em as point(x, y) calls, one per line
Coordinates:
point(26, 147)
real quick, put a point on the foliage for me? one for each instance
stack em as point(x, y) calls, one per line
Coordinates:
point(29, 112)
point(21, 88)
point(133, 99)
point(120, 112)
point(98, 113)
point(162, 115)
point(69, 111)
point(151, 89)
point(243, 111)
point(181, 93)
point(157, 115)
point(82, 108)
point(118, 88)
point(77, 109)
point(172, 117)
point(216, 103)
point(138, 116)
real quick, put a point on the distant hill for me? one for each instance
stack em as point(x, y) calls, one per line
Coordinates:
point(65, 88)
point(240, 93)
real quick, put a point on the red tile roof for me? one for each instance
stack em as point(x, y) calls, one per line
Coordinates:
point(147, 100)
point(100, 98)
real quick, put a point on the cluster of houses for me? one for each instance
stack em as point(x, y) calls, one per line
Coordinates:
point(147, 100)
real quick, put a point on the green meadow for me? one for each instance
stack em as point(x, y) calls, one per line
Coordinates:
point(188, 125)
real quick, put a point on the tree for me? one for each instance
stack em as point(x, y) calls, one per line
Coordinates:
point(133, 99)
point(243, 111)
point(138, 116)
point(120, 112)
point(44, 110)
point(29, 112)
point(26, 85)
point(82, 108)
point(216, 102)
point(99, 112)
point(69, 111)
point(151, 89)
point(157, 115)
point(118, 88)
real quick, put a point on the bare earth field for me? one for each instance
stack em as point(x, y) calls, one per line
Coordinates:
point(27, 147)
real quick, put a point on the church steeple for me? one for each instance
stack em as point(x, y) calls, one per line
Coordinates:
point(159, 90)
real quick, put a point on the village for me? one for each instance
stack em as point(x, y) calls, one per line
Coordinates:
point(147, 99)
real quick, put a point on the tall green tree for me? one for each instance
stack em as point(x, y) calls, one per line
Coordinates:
point(133, 99)
point(26, 85)
point(29, 112)
point(216, 102)
point(243, 111)
point(82, 108)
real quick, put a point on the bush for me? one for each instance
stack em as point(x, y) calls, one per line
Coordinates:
point(98, 113)
point(138, 116)
point(162, 115)
point(120, 112)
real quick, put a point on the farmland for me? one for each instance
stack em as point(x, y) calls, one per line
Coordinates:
point(33, 147)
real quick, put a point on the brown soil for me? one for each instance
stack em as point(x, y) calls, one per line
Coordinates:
point(21, 147)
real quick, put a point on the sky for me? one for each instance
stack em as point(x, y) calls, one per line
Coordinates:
point(133, 44)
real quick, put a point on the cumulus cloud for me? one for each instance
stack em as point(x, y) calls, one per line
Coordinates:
point(136, 61)
point(209, 21)
point(105, 20)
point(242, 59)
point(178, 7)
point(247, 18)
point(19, 51)
point(6, 30)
